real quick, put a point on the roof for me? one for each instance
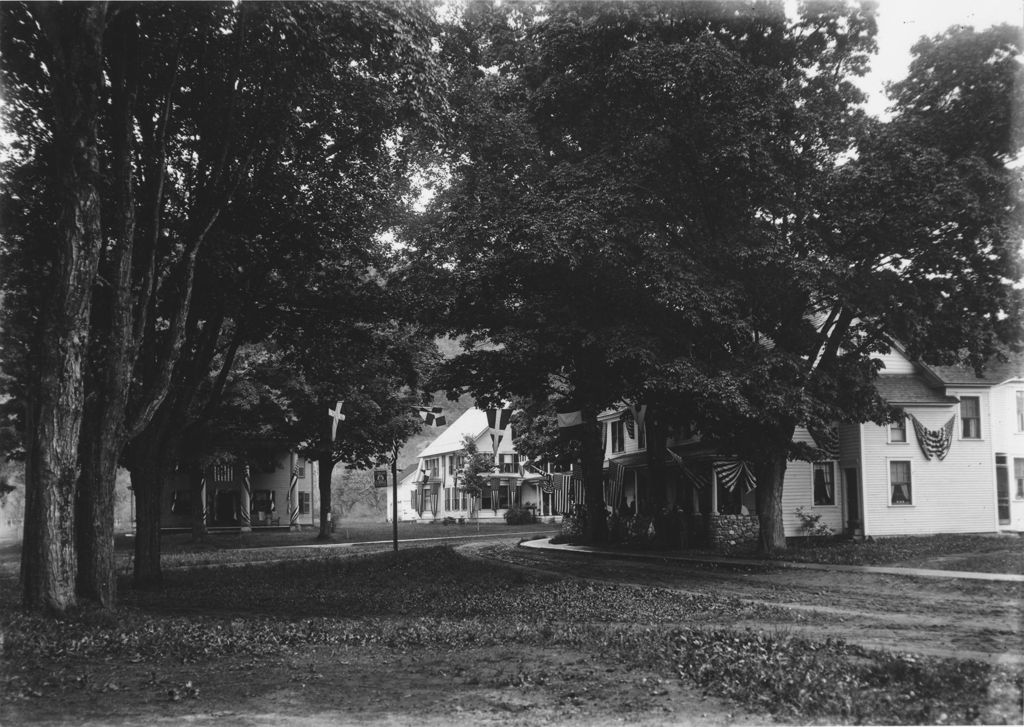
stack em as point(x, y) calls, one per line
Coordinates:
point(473, 423)
point(910, 389)
point(408, 470)
point(995, 372)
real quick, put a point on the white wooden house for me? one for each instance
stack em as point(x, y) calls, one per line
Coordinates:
point(434, 491)
point(278, 491)
point(967, 477)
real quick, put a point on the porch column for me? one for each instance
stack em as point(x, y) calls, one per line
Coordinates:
point(202, 499)
point(714, 491)
point(246, 505)
point(293, 494)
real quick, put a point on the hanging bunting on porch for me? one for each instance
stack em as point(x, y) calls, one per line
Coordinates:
point(495, 495)
point(512, 491)
point(497, 423)
point(827, 440)
point(432, 416)
point(734, 472)
point(616, 474)
point(934, 442)
point(435, 491)
point(203, 497)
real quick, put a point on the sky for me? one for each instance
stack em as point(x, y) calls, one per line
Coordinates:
point(902, 22)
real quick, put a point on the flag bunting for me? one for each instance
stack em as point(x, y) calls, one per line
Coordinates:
point(934, 442)
point(733, 472)
point(827, 440)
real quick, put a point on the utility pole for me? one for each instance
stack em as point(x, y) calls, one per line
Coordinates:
point(394, 494)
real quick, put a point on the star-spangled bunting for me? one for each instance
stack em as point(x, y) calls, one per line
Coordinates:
point(431, 416)
point(497, 423)
point(934, 442)
point(337, 416)
point(827, 440)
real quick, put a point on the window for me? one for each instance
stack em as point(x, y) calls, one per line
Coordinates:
point(263, 501)
point(1020, 411)
point(301, 466)
point(181, 502)
point(304, 503)
point(642, 436)
point(509, 464)
point(899, 482)
point(431, 466)
point(824, 483)
point(618, 439)
point(970, 417)
point(503, 500)
point(1018, 476)
point(898, 431)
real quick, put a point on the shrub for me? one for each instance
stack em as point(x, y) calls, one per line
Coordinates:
point(811, 524)
point(519, 515)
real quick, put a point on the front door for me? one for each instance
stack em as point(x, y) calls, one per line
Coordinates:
point(853, 521)
point(1003, 489)
point(226, 507)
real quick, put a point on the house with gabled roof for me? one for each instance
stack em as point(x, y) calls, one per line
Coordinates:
point(434, 489)
point(953, 464)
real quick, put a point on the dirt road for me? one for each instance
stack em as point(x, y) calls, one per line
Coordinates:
point(936, 617)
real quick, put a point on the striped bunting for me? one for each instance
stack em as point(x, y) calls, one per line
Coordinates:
point(689, 474)
point(733, 472)
point(934, 442)
point(827, 440)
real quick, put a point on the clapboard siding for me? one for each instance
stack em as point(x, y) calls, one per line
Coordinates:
point(954, 495)
point(895, 363)
point(798, 491)
point(1006, 439)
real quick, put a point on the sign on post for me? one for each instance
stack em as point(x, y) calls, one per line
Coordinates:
point(380, 478)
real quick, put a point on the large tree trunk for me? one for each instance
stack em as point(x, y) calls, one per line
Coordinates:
point(148, 481)
point(656, 469)
point(771, 471)
point(593, 481)
point(325, 468)
point(74, 33)
point(94, 510)
point(115, 348)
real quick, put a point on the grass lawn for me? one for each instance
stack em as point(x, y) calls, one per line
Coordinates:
point(427, 635)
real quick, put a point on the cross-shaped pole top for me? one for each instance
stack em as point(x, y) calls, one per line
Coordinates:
point(337, 416)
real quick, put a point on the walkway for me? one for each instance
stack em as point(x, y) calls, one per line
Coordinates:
point(883, 570)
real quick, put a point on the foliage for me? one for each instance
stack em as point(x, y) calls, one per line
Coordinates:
point(811, 524)
point(476, 464)
point(406, 601)
point(520, 515)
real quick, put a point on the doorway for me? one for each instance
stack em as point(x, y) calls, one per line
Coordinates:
point(1003, 489)
point(226, 507)
point(854, 525)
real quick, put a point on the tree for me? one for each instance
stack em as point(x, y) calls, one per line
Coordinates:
point(680, 206)
point(207, 101)
point(607, 171)
point(70, 44)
